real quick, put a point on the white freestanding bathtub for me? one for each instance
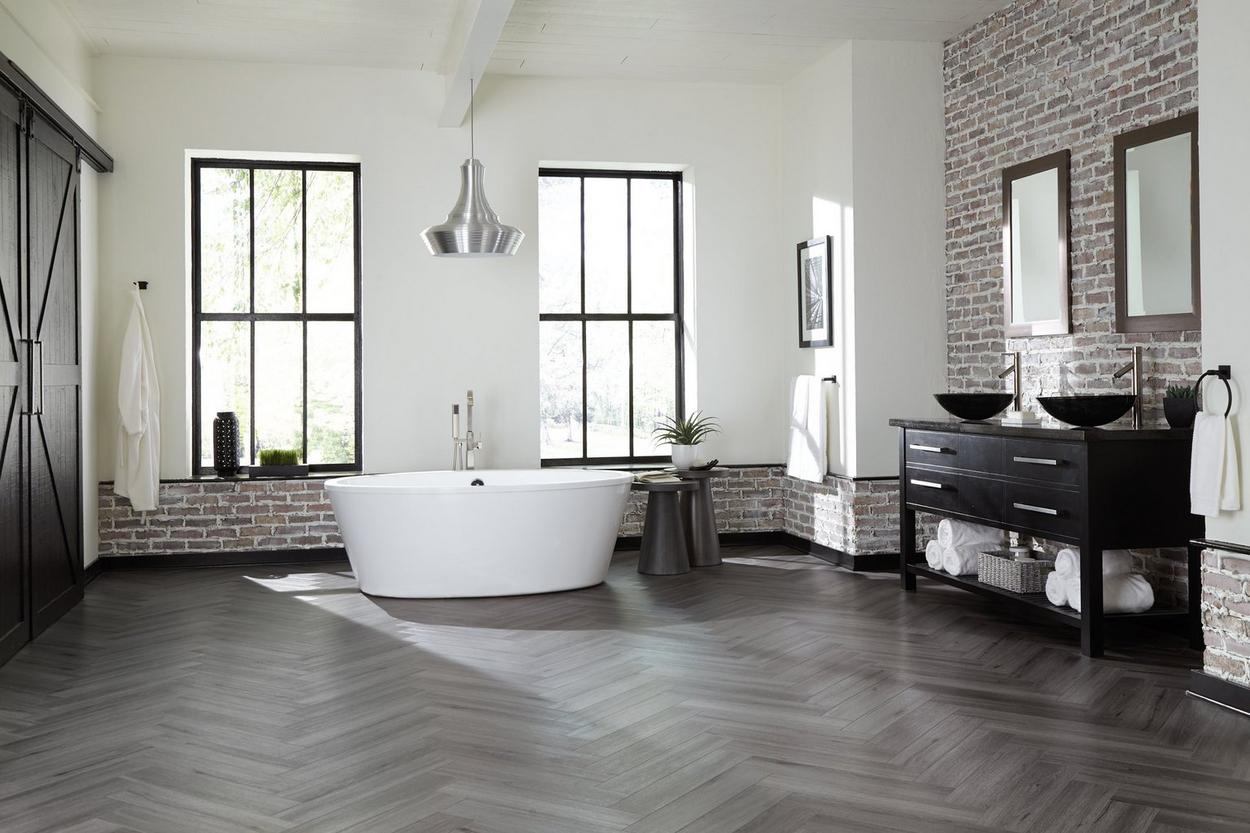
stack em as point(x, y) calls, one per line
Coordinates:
point(432, 535)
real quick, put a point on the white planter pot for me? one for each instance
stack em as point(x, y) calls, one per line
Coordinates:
point(685, 456)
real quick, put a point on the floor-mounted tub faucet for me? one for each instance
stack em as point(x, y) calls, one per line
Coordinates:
point(1013, 370)
point(464, 449)
point(1134, 367)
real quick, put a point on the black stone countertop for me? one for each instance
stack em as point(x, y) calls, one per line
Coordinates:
point(1044, 432)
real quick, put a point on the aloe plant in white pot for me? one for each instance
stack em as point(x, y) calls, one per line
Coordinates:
point(684, 436)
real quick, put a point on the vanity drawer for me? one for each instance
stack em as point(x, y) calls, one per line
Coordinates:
point(952, 492)
point(1042, 510)
point(1044, 460)
point(954, 451)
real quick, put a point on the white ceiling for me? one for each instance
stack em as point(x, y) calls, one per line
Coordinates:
point(725, 40)
point(391, 33)
point(729, 40)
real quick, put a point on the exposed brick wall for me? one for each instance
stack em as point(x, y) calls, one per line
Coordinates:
point(220, 515)
point(1226, 615)
point(1039, 77)
point(284, 514)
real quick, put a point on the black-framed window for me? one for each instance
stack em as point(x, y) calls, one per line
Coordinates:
point(275, 298)
point(610, 312)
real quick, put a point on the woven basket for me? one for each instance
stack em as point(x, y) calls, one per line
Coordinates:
point(1001, 570)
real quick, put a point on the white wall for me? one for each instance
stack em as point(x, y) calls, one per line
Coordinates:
point(434, 327)
point(1225, 181)
point(862, 160)
point(36, 36)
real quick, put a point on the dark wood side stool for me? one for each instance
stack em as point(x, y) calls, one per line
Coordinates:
point(700, 517)
point(664, 550)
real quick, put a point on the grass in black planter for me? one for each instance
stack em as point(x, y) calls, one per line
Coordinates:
point(1180, 406)
point(279, 462)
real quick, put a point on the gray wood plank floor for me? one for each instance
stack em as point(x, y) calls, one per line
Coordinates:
point(771, 694)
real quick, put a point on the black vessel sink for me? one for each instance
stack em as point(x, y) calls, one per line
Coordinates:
point(973, 406)
point(1087, 411)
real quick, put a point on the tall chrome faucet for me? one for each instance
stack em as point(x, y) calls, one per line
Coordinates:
point(464, 449)
point(1013, 370)
point(1134, 367)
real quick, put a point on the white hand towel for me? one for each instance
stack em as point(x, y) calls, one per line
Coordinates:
point(1230, 490)
point(1124, 593)
point(1056, 589)
point(1207, 462)
point(1114, 562)
point(962, 561)
point(933, 555)
point(961, 533)
point(807, 459)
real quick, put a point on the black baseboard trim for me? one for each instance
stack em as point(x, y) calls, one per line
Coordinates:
point(1232, 696)
point(865, 562)
point(225, 558)
point(92, 571)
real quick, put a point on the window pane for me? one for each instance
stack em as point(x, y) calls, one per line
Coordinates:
point(331, 241)
point(331, 392)
point(607, 388)
point(559, 244)
point(560, 388)
point(279, 385)
point(278, 231)
point(651, 233)
point(225, 359)
point(225, 239)
point(606, 244)
point(655, 381)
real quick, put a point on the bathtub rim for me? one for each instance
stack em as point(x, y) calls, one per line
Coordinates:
point(354, 485)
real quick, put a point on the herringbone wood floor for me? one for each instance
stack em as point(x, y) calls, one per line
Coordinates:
point(770, 694)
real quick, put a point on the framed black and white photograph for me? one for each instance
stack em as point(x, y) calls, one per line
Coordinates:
point(816, 292)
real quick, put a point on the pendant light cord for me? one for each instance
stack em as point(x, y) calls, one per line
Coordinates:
point(471, 150)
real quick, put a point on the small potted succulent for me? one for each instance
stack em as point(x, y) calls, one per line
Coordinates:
point(1180, 406)
point(278, 462)
point(684, 436)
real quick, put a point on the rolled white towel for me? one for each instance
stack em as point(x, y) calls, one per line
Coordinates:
point(1056, 589)
point(933, 555)
point(1067, 562)
point(961, 533)
point(1122, 593)
point(1114, 562)
point(962, 561)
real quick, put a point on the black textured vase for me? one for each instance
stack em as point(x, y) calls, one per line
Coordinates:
point(226, 444)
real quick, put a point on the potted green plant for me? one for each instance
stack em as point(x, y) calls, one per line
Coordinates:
point(684, 436)
point(278, 462)
point(1180, 406)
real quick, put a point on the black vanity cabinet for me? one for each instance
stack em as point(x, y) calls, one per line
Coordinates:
point(1097, 489)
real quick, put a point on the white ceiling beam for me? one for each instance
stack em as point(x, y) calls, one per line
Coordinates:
point(473, 37)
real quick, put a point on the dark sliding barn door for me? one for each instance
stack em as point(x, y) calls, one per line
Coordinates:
point(52, 324)
point(40, 377)
point(14, 587)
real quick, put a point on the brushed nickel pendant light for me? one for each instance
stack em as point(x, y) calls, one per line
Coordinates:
point(472, 228)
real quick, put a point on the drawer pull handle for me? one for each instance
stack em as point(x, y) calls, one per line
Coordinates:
point(1036, 461)
point(932, 449)
point(1041, 510)
point(928, 484)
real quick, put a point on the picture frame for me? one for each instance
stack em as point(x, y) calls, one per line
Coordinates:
point(815, 286)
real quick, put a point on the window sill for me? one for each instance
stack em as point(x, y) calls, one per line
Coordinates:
point(212, 478)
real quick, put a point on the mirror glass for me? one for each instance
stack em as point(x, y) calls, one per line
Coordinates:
point(1156, 247)
point(1035, 247)
point(1034, 255)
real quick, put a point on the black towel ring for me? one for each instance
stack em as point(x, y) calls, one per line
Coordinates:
point(1223, 373)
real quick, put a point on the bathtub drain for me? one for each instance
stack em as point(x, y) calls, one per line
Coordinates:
point(477, 482)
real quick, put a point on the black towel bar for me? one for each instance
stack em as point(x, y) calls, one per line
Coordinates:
point(1223, 373)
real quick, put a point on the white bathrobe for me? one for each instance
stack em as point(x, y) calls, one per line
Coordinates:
point(139, 404)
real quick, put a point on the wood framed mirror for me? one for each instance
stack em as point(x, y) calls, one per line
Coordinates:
point(1036, 267)
point(1156, 228)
